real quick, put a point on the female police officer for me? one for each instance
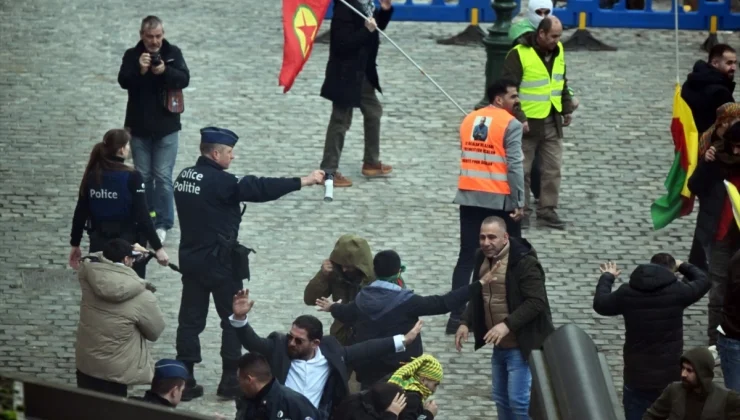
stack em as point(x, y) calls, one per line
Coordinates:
point(112, 203)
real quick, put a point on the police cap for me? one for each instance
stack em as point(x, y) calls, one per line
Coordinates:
point(169, 369)
point(217, 135)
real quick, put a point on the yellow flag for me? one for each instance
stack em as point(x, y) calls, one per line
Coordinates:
point(735, 200)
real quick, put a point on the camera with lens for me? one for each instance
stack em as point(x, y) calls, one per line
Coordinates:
point(156, 59)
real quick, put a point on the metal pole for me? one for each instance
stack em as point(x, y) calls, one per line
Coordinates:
point(408, 58)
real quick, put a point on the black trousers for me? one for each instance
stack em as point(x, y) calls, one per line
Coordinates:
point(697, 255)
point(535, 177)
point(471, 219)
point(196, 298)
point(107, 387)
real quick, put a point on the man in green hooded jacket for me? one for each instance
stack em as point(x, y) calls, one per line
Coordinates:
point(696, 397)
point(349, 268)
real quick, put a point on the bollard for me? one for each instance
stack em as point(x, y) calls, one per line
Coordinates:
point(711, 40)
point(497, 44)
point(472, 35)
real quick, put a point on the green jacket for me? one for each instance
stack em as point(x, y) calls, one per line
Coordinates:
point(717, 403)
point(350, 251)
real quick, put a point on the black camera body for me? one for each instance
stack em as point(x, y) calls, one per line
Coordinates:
point(156, 59)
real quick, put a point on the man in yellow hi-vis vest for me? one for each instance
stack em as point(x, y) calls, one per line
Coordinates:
point(538, 65)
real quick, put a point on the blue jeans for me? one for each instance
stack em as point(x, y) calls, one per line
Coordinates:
point(729, 356)
point(637, 402)
point(155, 159)
point(512, 383)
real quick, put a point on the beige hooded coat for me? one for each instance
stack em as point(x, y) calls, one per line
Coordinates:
point(117, 317)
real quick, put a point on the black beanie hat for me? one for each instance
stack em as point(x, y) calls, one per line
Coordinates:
point(386, 263)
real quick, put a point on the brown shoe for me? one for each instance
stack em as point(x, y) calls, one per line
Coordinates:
point(340, 181)
point(376, 170)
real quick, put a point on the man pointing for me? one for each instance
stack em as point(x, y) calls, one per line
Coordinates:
point(211, 259)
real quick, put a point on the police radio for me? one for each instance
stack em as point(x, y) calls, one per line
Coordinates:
point(329, 187)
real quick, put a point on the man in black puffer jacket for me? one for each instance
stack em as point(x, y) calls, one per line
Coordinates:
point(652, 304)
point(709, 86)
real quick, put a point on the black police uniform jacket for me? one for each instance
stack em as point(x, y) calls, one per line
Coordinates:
point(208, 201)
point(276, 402)
point(155, 399)
point(113, 206)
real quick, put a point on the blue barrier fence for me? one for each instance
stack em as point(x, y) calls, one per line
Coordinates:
point(439, 11)
point(618, 16)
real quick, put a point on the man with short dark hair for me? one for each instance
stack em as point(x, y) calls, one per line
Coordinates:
point(264, 397)
point(652, 303)
point(212, 261)
point(151, 72)
point(512, 312)
point(709, 86)
point(491, 181)
point(695, 396)
point(168, 383)
point(118, 315)
point(306, 361)
point(537, 66)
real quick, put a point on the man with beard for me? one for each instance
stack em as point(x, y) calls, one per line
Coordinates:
point(306, 361)
point(349, 267)
point(696, 397)
point(511, 312)
point(537, 65)
point(709, 86)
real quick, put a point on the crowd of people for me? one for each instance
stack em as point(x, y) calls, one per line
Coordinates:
point(372, 363)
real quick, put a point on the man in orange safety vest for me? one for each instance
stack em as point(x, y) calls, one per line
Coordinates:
point(491, 181)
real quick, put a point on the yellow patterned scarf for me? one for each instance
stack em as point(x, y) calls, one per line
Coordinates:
point(424, 366)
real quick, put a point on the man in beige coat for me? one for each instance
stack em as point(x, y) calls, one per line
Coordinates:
point(118, 314)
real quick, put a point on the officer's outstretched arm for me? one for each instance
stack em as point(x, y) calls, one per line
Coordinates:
point(260, 190)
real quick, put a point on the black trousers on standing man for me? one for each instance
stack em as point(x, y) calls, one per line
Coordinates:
point(196, 296)
point(471, 219)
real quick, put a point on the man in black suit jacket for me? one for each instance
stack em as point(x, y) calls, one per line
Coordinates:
point(306, 361)
point(351, 81)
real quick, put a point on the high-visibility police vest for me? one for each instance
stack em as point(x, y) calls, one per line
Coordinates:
point(539, 91)
point(483, 162)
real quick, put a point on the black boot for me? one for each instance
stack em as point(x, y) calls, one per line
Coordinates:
point(228, 387)
point(192, 389)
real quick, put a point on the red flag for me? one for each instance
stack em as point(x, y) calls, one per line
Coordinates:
point(301, 22)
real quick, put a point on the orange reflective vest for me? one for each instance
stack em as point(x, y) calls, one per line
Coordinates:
point(483, 163)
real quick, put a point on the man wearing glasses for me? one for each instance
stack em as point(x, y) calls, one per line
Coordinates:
point(306, 361)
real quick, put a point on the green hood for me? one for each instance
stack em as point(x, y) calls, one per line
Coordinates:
point(703, 362)
point(354, 251)
point(520, 28)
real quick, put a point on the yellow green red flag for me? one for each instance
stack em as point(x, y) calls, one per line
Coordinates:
point(734, 196)
point(678, 201)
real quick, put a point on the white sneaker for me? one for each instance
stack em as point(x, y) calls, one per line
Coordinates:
point(715, 354)
point(162, 234)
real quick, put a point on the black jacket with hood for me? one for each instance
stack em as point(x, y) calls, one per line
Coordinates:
point(711, 402)
point(146, 115)
point(382, 310)
point(349, 251)
point(529, 317)
point(652, 304)
point(705, 90)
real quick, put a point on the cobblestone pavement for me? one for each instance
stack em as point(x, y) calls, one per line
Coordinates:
point(59, 94)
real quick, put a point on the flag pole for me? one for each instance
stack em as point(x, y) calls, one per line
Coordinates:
point(408, 58)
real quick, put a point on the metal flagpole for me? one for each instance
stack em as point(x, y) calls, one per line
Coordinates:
point(408, 58)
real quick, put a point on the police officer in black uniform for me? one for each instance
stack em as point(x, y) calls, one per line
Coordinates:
point(167, 385)
point(208, 201)
point(112, 204)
